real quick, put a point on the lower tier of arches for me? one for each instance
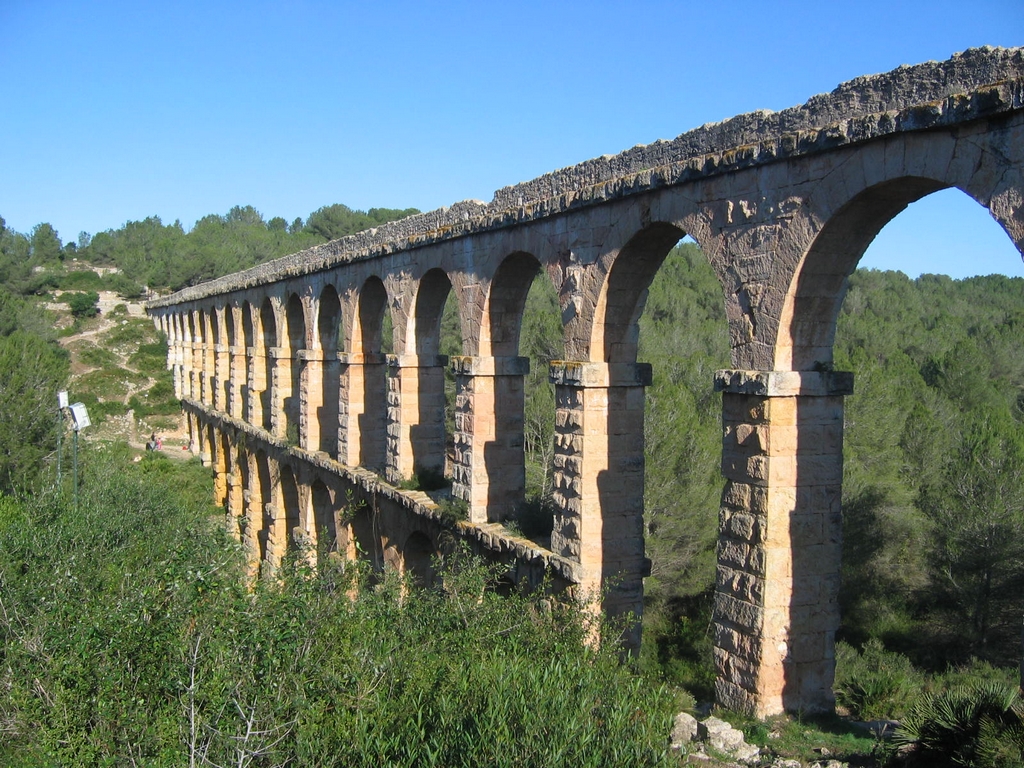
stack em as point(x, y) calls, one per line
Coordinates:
point(278, 497)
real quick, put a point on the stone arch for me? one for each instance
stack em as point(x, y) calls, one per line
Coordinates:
point(262, 520)
point(489, 400)
point(791, 454)
point(222, 465)
point(180, 372)
point(291, 378)
point(799, 437)
point(230, 331)
point(326, 412)
point(214, 355)
point(241, 528)
point(368, 377)
point(237, 362)
point(248, 326)
point(330, 331)
point(624, 292)
point(372, 301)
point(418, 560)
point(506, 299)
point(207, 355)
point(542, 340)
point(864, 192)
point(208, 449)
point(268, 342)
point(807, 324)
point(292, 536)
point(225, 362)
point(433, 291)
point(367, 538)
point(192, 356)
point(599, 460)
point(324, 524)
point(250, 342)
point(214, 325)
point(295, 323)
point(419, 380)
point(503, 585)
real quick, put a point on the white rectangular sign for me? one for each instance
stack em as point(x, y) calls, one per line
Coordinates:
point(80, 415)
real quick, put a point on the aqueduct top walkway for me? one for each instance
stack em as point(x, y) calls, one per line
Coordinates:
point(783, 204)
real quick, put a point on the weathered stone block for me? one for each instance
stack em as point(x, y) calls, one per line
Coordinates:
point(738, 612)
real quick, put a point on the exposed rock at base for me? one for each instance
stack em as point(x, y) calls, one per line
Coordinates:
point(719, 735)
point(716, 734)
point(684, 730)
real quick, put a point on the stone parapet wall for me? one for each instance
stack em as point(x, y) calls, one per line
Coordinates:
point(977, 83)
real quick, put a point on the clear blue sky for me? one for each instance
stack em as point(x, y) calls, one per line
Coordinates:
point(115, 111)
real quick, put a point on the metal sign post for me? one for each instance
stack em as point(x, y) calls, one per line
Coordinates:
point(80, 417)
point(62, 404)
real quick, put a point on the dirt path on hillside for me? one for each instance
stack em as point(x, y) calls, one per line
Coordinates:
point(136, 433)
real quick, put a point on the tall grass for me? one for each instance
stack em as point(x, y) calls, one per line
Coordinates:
point(128, 636)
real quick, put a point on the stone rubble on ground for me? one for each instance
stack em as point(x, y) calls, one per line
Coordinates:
point(684, 730)
point(722, 738)
point(714, 733)
point(784, 762)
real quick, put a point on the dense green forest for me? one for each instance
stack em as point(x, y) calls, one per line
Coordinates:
point(934, 456)
point(162, 256)
point(933, 563)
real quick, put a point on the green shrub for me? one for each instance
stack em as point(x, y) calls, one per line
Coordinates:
point(82, 304)
point(132, 332)
point(453, 510)
point(158, 400)
point(11, 513)
point(808, 738)
point(535, 517)
point(874, 683)
point(80, 280)
point(425, 480)
point(97, 357)
point(137, 637)
point(109, 382)
point(150, 358)
point(31, 373)
point(980, 725)
point(104, 408)
point(40, 283)
point(122, 285)
point(974, 673)
point(677, 644)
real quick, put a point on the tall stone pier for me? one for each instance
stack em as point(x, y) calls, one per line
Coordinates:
point(780, 539)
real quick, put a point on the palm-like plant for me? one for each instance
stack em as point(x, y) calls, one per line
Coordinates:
point(977, 725)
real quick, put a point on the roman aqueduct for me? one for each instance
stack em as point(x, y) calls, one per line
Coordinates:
point(297, 419)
